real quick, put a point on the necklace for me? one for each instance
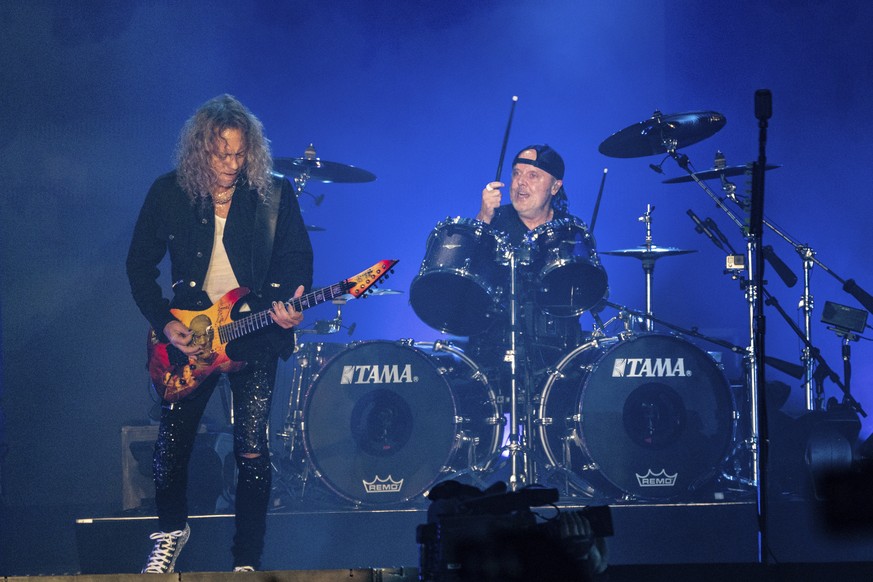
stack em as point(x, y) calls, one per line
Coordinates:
point(228, 194)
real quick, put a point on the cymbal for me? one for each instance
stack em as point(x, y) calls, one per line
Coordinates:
point(662, 133)
point(644, 252)
point(372, 293)
point(727, 172)
point(313, 228)
point(321, 170)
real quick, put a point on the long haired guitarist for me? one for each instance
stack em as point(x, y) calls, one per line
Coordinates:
point(227, 222)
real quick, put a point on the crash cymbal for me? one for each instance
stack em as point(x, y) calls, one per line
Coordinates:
point(727, 172)
point(321, 170)
point(662, 133)
point(644, 252)
point(313, 228)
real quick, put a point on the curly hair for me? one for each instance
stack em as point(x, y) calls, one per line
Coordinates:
point(197, 142)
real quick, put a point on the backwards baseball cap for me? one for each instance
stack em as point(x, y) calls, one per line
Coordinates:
point(547, 160)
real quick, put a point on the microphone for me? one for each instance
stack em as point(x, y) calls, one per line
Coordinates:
point(784, 271)
point(702, 228)
point(793, 370)
point(681, 159)
point(862, 296)
point(657, 167)
point(763, 104)
point(710, 223)
point(352, 328)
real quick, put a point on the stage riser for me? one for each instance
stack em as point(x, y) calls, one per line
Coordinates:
point(656, 534)
point(359, 575)
point(648, 573)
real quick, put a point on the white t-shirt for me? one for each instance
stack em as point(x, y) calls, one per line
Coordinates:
point(219, 277)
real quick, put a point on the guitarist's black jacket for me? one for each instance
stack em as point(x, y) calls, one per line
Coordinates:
point(168, 220)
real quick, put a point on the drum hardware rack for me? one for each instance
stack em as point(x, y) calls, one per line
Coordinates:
point(296, 483)
point(752, 298)
point(741, 268)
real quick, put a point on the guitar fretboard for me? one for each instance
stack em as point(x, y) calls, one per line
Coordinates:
point(255, 321)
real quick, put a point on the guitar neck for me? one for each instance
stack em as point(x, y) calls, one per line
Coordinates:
point(255, 321)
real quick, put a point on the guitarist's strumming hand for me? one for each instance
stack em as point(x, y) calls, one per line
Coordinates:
point(182, 337)
point(284, 316)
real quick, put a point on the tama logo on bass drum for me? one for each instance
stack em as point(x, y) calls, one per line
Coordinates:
point(649, 368)
point(378, 374)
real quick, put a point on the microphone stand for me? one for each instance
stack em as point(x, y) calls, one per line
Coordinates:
point(754, 358)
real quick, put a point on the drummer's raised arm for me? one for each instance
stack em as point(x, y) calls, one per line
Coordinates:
point(490, 201)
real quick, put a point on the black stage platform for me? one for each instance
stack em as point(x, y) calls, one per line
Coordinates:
point(691, 535)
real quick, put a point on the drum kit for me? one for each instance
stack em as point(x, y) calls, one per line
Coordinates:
point(629, 414)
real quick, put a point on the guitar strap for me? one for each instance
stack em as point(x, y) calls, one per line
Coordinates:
point(266, 217)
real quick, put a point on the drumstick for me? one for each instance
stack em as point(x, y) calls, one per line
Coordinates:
point(597, 203)
point(506, 138)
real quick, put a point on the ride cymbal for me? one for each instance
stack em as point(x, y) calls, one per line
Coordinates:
point(661, 134)
point(321, 170)
point(727, 172)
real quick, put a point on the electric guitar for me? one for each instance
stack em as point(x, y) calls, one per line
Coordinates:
point(175, 375)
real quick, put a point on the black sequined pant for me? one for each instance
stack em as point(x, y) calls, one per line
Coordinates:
point(252, 390)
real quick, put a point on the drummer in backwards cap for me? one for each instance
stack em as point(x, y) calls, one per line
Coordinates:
point(537, 197)
point(536, 193)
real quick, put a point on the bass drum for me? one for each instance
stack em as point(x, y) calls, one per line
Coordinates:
point(651, 417)
point(462, 277)
point(384, 421)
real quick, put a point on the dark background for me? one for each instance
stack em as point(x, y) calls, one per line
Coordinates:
point(94, 94)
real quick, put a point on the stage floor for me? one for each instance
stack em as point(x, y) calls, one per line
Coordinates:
point(645, 534)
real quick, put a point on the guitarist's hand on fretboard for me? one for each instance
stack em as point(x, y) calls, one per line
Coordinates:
point(199, 340)
point(182, 338)
point(284, 315)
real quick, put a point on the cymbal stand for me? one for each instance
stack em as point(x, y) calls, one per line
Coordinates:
point(293, 425)
point(814, 397)
point(752, 298)
point(520, 471)
point(293, 420)
point(302, 178)
point(523, 459)
point(517, 441)
point(648, 265)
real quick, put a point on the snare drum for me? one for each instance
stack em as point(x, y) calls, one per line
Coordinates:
point(651, 417)
point(384, 421)
point(462, 277)
point(566, 271)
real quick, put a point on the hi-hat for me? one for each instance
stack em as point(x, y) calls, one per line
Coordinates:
point(661, 134)
point(648, 252)
point(321, 170)
point(727, 172)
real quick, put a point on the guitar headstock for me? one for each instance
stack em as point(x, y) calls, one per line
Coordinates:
point(367, 279)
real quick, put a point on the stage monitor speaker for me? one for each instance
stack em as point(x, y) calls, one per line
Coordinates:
point(211, 470)
point(137, 446)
